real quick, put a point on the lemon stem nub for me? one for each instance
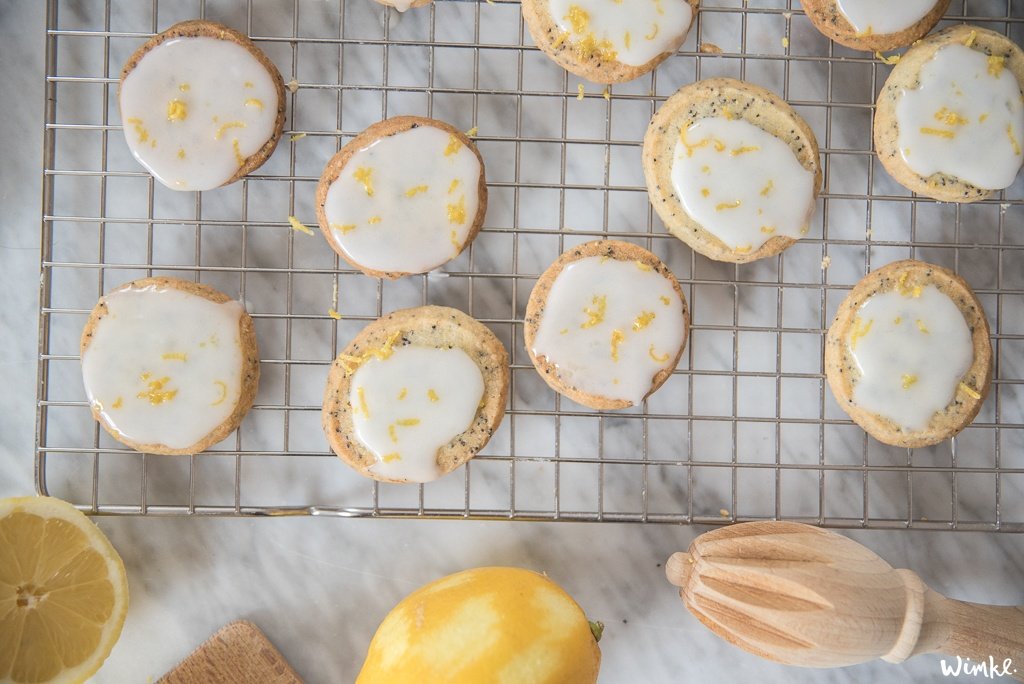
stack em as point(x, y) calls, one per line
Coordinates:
point(596, 628)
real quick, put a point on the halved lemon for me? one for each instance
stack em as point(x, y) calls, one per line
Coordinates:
point(63, 592)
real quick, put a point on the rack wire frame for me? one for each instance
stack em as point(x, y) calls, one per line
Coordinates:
point(651, 464)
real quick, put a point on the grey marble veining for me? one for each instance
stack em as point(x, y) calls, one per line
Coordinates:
point(319, 587)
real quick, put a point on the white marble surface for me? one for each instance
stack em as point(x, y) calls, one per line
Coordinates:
point(319, 586)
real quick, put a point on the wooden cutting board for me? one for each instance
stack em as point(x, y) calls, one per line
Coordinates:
point(239, 653)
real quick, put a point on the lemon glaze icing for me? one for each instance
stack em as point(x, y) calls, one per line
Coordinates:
point(632, 32)
point(870, 17)
point(912, 349)
point(164, 366)
point(965, 119)
point(610, 326)
point(741, 183)
point(406, 202)
point(412, 402)
point(194, 109)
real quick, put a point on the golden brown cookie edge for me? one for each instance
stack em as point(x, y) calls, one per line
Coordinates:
point(426, 325)
point(250, 371)
point(659, 145)
point(839, 363)
point(621, 251)
point(374, 132)
point(194, 28)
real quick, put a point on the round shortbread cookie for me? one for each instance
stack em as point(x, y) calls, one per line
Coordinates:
point(202, 106)
point(169, 366)
point(874, 25)
point(606, 324)
point(609, 42)
point(416, 394)
point(974, 123)
point(405, 196)
point(761, 199)
point(910, 343)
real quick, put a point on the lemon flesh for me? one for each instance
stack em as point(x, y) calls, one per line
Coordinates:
point(63, 592)
point(502, 625)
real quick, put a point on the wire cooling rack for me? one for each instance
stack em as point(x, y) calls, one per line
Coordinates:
point(744, 429)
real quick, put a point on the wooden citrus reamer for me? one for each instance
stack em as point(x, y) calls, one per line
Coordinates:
point(805, 596)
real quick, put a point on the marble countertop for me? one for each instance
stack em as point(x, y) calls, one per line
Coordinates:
point(319, 586)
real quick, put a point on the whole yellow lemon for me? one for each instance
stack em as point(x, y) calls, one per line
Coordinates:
point(501, 625)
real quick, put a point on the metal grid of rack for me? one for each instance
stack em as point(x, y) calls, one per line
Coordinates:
point(744, 429)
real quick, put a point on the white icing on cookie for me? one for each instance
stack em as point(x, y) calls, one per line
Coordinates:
point(912, 348)
point(406, 202)
point(632, 32)
point(164, 366)
point(965, 119)
point(881, 17)
point(194, 109)
point(741, 183)
point(610, 326)
point(411, 403)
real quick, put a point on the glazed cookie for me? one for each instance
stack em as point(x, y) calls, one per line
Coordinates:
point(731, 170)
point(405, 196)
point(874, 24)
point(908, 355)
point(606, 324)
point(609, 42)
point(201, 105)
point(949, 123)
point(416, 394)
point(169, 366)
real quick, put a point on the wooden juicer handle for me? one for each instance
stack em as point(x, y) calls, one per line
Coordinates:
point(805, 596)
point(973, 630)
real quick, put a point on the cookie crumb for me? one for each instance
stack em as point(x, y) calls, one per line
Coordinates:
point(710, 49)
point(785, 42)
point(826, 261)
point(296, 136)
point(293, 85)
point(579, 92)
point(723, 512)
